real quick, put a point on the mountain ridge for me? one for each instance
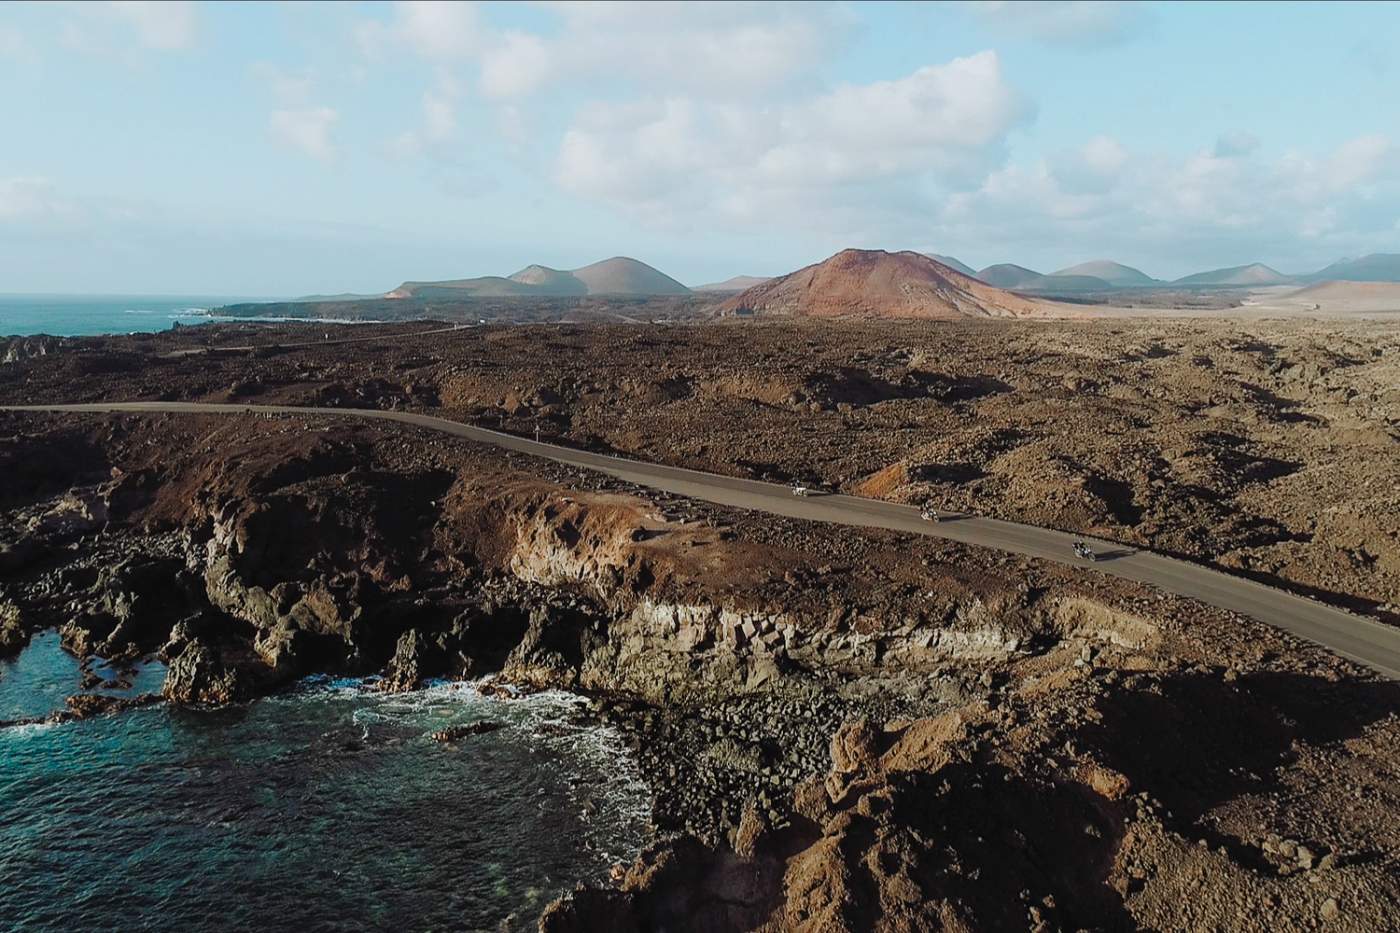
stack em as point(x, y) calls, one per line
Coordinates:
point(876, 283)
point(735, 283)
point(1254, 273)
point(1373, 267)
point(620, 275)
point(1008, 275)
point(1114, 273)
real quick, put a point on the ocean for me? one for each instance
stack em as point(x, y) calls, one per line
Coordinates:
point(325, 807)
point(87, 315)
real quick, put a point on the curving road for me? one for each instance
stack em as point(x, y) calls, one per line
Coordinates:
point(1362, 640)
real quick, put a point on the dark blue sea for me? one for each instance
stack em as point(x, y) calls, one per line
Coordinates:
point(85, 315)
point(327, 807)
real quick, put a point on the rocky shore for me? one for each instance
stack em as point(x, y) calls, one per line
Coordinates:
point(842, 731)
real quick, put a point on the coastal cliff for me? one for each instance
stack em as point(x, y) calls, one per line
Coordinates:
point(841, 731)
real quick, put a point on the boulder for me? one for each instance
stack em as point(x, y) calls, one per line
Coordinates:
point(87, 705)
point(199, 677)
point(13, 636)
point(415, 658)
point(453, 733)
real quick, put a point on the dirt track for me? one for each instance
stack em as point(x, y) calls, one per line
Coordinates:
point(1377, 646)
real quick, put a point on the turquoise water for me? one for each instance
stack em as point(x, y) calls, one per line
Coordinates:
point(85, 315)
point(38, 682)
point(324, 808)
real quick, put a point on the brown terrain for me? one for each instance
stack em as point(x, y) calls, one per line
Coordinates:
point(1337, 298)
point(875, 283)
point(845, 730)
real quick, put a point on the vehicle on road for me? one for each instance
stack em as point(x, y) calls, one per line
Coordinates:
point(1352, 636)
point(929, 515)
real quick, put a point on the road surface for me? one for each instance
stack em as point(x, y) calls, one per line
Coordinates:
point(1362, 640)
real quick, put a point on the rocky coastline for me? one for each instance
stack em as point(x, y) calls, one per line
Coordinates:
point(841, 731)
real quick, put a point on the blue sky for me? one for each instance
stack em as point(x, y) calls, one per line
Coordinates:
point(284, 148)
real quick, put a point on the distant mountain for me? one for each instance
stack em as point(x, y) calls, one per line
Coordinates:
point(623, 276)
point(1114, 273)
point(1019, 278)
point(952, 263)
point(1008, 275)
point(736, 284)
point(875, 283)
point(486, 286)
point(347, 296)
point(1377, 267)
point(553, 281)
point(1256, 273)
point(617, 276)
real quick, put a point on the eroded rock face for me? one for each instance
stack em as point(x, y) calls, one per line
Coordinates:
point(87, 705)
point(199, 677)
point(903, 834)
point(132, 608)
point(18, 349)
point(13, 635)
point(412, 661)
point(302, 552)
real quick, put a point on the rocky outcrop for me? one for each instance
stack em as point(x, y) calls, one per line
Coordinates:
point(13, 635)
point(413, 660)
point(18, 349)
point(133, 607)
point(908, 831)
point(87, 705)
point(453, 733)
point(198, 676)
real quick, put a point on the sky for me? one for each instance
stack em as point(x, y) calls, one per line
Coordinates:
point(283, 149)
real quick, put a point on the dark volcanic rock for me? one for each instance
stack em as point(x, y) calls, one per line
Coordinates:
point(414, 658)
point(453, 733)
point(131, 608)
point(87, 705)
point(199, 677)
point(13, 636)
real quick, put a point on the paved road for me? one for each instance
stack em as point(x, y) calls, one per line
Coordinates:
point(1362, 640)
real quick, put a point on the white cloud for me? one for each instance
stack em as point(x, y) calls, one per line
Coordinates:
point(516, 65)
point(437, 127)
point(290, 87)
point(1204, 209)
point(435, 29)
point(168, 24)
point(296, 122)
point(439, 117)
point(510, 123)
point(938, 128)
point(36, 205)
point(31, 199)
point(1092, 169)
point(1360, 161)
point(307, 130)
point(1104, 154)
point(1077, 23)
point(700, 49)
point(13, 45)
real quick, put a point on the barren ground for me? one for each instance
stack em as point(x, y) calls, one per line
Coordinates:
point(845, 730)
point(1267, 447)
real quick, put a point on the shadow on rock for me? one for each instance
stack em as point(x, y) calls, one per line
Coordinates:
point(1195, 741)
point(965, 847)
